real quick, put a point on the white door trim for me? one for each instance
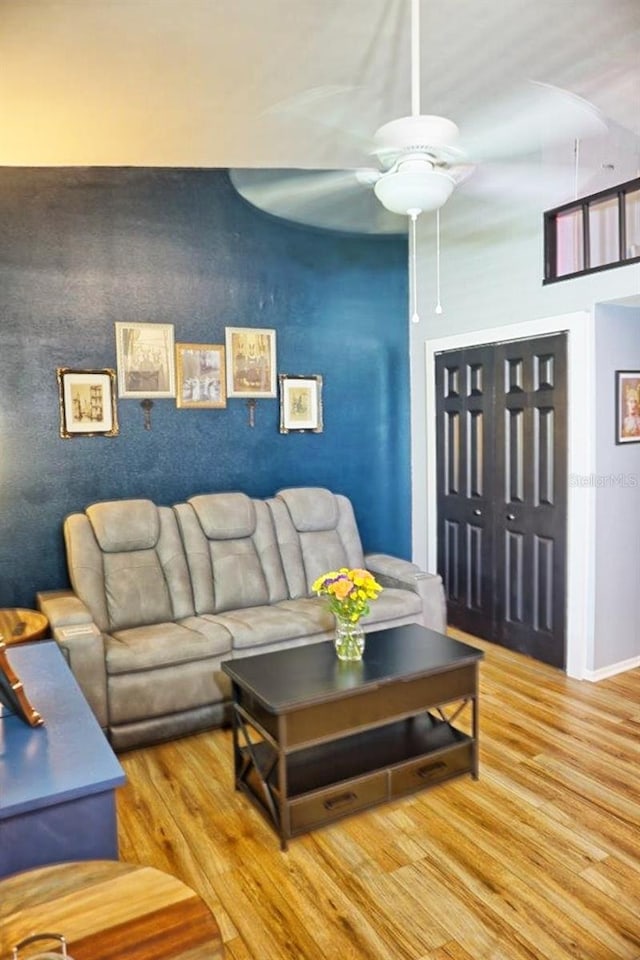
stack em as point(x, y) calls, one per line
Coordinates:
point(580, 329)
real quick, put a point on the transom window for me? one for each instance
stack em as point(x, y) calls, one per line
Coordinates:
point(595, 233)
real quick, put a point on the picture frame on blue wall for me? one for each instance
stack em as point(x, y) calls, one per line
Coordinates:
point(627, 406)
point(251, 362)
point(87, 401)
point(145, 355)
point(300, 403)
point(200, 376)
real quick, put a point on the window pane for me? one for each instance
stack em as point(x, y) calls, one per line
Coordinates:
point(569, 248)
point(603, 232)
point(632, 218)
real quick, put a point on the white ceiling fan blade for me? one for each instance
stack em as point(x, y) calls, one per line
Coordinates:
point(535, 117)
point(272, 190)
point(331, 199)
point(331, 125)
point(543, 184)
point(323, 110)
point(301, 103)
point(612, 78)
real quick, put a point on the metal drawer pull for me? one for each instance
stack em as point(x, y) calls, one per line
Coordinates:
point(342, 801)
point(432, 768)
point(43, 956)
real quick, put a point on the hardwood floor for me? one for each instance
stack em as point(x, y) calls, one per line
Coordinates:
point(537, 860)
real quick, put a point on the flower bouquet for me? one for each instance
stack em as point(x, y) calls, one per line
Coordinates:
point(349, 593)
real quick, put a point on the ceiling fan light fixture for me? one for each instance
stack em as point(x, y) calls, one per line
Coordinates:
point(423, 132)
point(414, 186)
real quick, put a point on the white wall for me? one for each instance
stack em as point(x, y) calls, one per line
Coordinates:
point(491, 283)
point(617, 500)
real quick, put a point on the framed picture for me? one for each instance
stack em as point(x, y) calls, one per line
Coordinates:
point(12, 694)
point(300, 403)
point(87, 403)
point(146, 360)
point(627, 406)
point(200, 375)
point(251, 362)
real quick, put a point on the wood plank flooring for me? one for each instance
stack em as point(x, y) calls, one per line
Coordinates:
point(537, 860)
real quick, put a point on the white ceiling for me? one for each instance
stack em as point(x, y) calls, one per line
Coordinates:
point(192, 82)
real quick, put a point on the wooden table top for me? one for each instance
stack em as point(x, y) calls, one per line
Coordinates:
point(287, 679)
point(18, 625)
point(107, 910)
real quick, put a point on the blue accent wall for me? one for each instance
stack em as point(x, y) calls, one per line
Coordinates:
point(83, 248)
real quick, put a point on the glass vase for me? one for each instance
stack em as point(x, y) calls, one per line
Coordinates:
point(349, 639)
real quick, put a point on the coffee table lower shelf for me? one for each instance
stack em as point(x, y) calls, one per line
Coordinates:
point(330, 780)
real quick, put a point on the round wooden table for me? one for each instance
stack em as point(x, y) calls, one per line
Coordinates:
point(18, 625)
point(107, 910)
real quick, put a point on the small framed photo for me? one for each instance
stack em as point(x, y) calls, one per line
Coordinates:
point(627, 406)
point(146, 360)
point(300, 403)
point(87, 403)
point(12, 692)
point(251, 362)
point(200, 376)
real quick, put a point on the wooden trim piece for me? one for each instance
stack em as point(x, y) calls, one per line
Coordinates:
point(12, 692)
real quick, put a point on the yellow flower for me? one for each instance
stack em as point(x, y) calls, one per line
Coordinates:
point(349, 591)
point(318, 584)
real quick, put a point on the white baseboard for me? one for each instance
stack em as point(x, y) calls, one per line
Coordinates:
point(612, 670)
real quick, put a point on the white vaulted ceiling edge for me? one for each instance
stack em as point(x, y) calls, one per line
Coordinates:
point(231, 83)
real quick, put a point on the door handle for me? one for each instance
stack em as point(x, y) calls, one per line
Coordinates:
point(511, 516)
point(477, 513)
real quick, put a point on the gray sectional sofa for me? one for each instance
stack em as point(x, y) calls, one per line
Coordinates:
point(162, 595)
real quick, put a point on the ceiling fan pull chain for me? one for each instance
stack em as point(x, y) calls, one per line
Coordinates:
point(413, 266)
point(438, 304)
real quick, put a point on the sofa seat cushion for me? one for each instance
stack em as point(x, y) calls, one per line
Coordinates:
point(287, 620)
point(165, 644)
point(314, 610)
point(394, 604)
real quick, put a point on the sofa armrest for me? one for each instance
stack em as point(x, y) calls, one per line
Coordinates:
point(403, 575)
point(80, 639)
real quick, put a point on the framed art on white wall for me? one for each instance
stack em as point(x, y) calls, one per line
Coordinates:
point(627, 406)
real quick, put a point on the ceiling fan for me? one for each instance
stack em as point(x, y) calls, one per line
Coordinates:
point(420, 160)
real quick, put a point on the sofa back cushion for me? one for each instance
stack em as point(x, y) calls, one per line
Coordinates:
point(231, 552)
point(126, 562)
point(317, 532)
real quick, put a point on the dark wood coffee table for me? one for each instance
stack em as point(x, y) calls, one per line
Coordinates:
point(316, 738)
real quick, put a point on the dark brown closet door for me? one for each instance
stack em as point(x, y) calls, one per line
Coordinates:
point(502, 480)
point(465, 412)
